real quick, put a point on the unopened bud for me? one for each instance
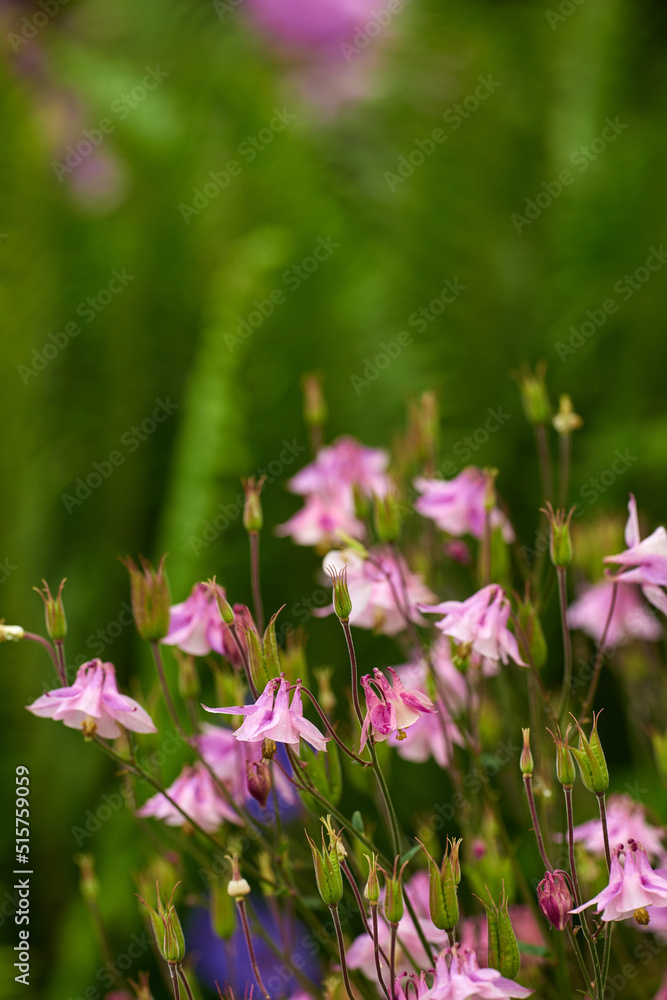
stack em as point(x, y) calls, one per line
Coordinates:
point(394, 907)
point(372, 887)
point(534, 396)
point(54, 612)
point(150, 598)
point(258, 778)
point(503, 949)
point(591, 760)
point(11, 633)
point(314, 403)
point(565, 770)
point(252, 512)
point(224, 607)
point(327, 872)
point(560, 542)
point(526, 760)
point(555, 899)
point(88, 883)
point(167, 929)
point(237, 887)
point(442, 884)
point(341, 595)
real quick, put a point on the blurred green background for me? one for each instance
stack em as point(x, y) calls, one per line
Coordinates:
point(325, 174)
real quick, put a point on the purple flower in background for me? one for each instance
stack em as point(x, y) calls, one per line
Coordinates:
point(457, 505)
point(632, 887)
point(643, 562)
point(302, 22)
point(393, 710)
point(626, 820)
point(322, 517)
point(277, 720)
point(374, 585)
point(631, 619)
point(94, 704)
point(480, 623)
point(196, 793)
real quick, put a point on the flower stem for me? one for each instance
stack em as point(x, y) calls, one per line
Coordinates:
point(341, 949)
point(251, 951)
point(184, 980)
point(605, 830)
point(567, 641)
point(354, 670)
point(244, 659)
point(33, 637)
point(376, 949)
point(392, 961)
point(174, 981)
point(542, 444)
point(528, 782)
point(384, 791)
point(564, 473)
point(256, 589)
point(599, 658)
point(330, 728)
point(570, 846)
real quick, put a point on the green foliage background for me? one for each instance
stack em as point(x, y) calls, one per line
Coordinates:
point(163, 336)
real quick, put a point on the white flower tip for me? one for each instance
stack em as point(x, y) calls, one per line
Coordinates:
point(11, 633)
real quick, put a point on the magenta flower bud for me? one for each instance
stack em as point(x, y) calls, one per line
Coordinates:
point(259, 780)
point(555, 899)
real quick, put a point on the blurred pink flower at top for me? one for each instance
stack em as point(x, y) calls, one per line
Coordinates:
point(631, 619)
point(643, 562)
point(275, 719)
point(480, 623)
point(94, 704)
point(304, 22)
point(196, 793)
point(374, 583)
point(344, 463)
point(626, 820)
point(457, 505)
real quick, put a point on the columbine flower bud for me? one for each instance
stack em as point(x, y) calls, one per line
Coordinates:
point(566, 420)
point(327, 872)
point(503, 949)
point(88, 883)
point(560, 542)
point(372, 887)
point(56, 623)
point(387, 517)
point(259, 780)
point(526, 760)
point(490, 496)
point(167, 929)
point(591, 760)
point(237, 887)
point(442, 883)
point(314, 403)
point(555, 899)
point(11, 633)
point(150, 598)
point(565, 770)
point(224, 607)
point(394, 906)
point(341, 595)
point(534, 396)
point(252, 512)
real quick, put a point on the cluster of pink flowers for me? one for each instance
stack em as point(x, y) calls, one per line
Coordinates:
point(328, 485)
point(195, 625)
point(383, 590)
point(459, 977)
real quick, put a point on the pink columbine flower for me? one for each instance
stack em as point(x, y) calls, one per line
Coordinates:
point(94, 704)
point(464, 980)
point(457, 505)
point(195, 792)
point(301, 22)
point(480, 623)
point(643, 562)
point(328, 485)
point(632, 887)
point(273, 718)
point(374, 584)
point(425, 738)
point(626, 820)
point(631, 619)
point(195, 625)
point(392, 710)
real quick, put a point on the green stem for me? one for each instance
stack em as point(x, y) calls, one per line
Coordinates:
point(598, 659)
point(353, 667)
point(567, 641)
point(341, 949)
point(157, 656)
point(256, 589)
